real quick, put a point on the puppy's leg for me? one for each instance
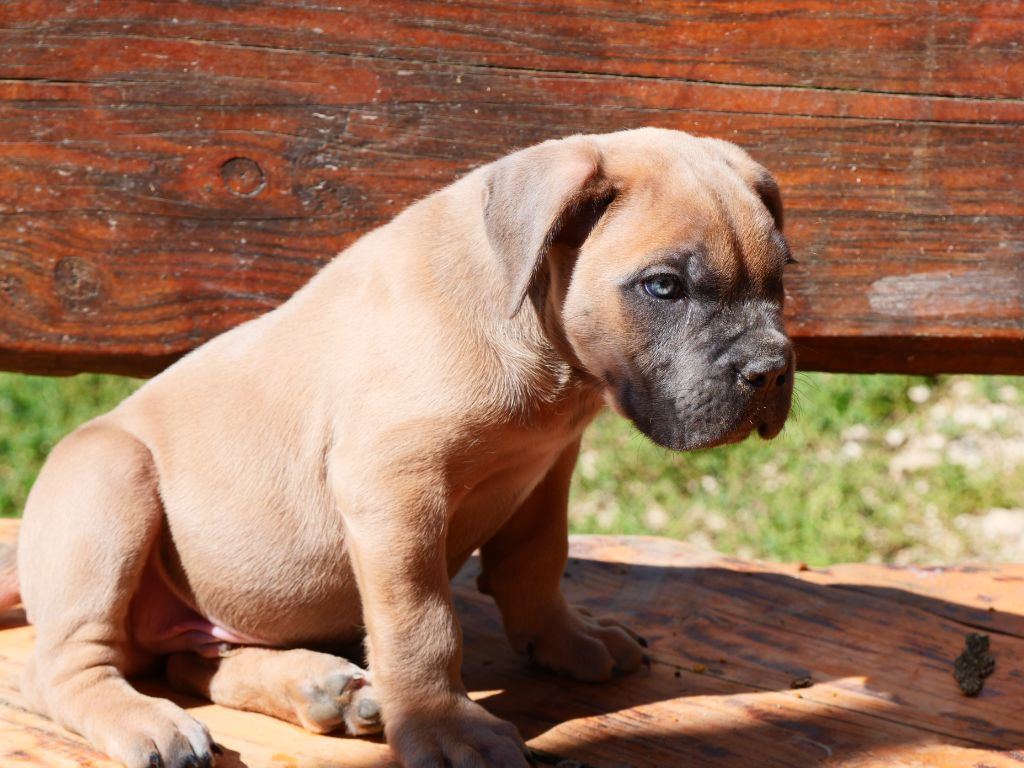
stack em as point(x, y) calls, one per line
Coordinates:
point(91, 519)
point(396, 538)
point(318, 691)
point(522, 568)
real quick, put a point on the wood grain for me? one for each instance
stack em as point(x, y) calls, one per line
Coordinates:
point(727, 639)
point(169, 170)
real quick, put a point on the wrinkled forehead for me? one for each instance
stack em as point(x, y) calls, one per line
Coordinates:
point(695, 205)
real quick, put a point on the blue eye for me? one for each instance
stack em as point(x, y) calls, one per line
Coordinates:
point(663, 287)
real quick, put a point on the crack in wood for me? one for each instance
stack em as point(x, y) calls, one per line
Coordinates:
point(431, 63)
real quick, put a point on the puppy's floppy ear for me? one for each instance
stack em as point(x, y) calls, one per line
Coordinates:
point(764, 184)
point(755, 175)
point(552, 191)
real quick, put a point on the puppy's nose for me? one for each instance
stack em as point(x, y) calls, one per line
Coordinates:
point(765, 372)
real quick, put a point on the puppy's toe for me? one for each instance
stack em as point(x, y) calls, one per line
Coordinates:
point(460, 735)
point(343, 697)
point(337, 684)
point(587, 648)
point(167, 738)
point(363, 717)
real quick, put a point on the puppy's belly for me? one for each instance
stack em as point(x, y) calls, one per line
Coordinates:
point(161, 622)
point(277, 583)
point(308, 608)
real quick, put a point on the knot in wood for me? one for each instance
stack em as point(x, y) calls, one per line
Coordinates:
point(243, 177)
point(78, 283)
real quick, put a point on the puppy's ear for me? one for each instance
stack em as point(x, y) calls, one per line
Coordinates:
point(764, 184)
point(551, 192)
point(755, 175)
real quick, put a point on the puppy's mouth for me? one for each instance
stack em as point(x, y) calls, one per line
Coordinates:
point(660, 424)
point(663, 426)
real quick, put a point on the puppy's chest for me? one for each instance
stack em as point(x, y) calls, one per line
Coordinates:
point(485, 500)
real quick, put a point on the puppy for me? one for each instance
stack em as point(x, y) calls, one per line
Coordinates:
point(319, 474)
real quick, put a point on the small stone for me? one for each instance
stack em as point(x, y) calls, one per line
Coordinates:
point(1007, 394)
point(894, 437)
point(919, 394)
point(851, 451)
point(858, 433)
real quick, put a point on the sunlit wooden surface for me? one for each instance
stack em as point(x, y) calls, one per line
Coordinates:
point(728, 639)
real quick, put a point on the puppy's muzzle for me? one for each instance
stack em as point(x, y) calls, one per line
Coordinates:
point(764, 373)
point(769, 379)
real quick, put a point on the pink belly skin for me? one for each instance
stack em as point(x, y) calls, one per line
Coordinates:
point(160, 622)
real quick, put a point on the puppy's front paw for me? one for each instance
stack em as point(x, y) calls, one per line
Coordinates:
point(586, 648)
point(461, 734)
point(156, 732)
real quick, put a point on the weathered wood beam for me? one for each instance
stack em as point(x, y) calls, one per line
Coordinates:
point(169, 170)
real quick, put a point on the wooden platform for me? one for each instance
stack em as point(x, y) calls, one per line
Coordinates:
point(728, 639)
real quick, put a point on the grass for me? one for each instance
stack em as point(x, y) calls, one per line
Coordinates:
point(889, 468)
point(35, 412)
point(839, 484)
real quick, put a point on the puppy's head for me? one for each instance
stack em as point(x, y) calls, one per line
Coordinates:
point(658, 259)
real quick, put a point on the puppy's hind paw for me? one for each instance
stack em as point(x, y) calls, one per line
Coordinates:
point(342, 697)
point(363, 715)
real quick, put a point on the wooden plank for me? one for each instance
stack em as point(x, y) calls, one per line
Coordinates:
point(727, 638)
point(987, 599)
point(921, 47)
point(167, 175)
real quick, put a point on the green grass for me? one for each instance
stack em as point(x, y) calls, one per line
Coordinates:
point(835, 486)
point(830, 488)
point(35, 412)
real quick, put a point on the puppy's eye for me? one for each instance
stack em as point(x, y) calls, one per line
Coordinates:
point(663, 287)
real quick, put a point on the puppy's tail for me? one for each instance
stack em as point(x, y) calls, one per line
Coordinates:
point(10, 592)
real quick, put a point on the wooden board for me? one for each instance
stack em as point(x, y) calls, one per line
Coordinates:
point(727, 639)
point(169, 170)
